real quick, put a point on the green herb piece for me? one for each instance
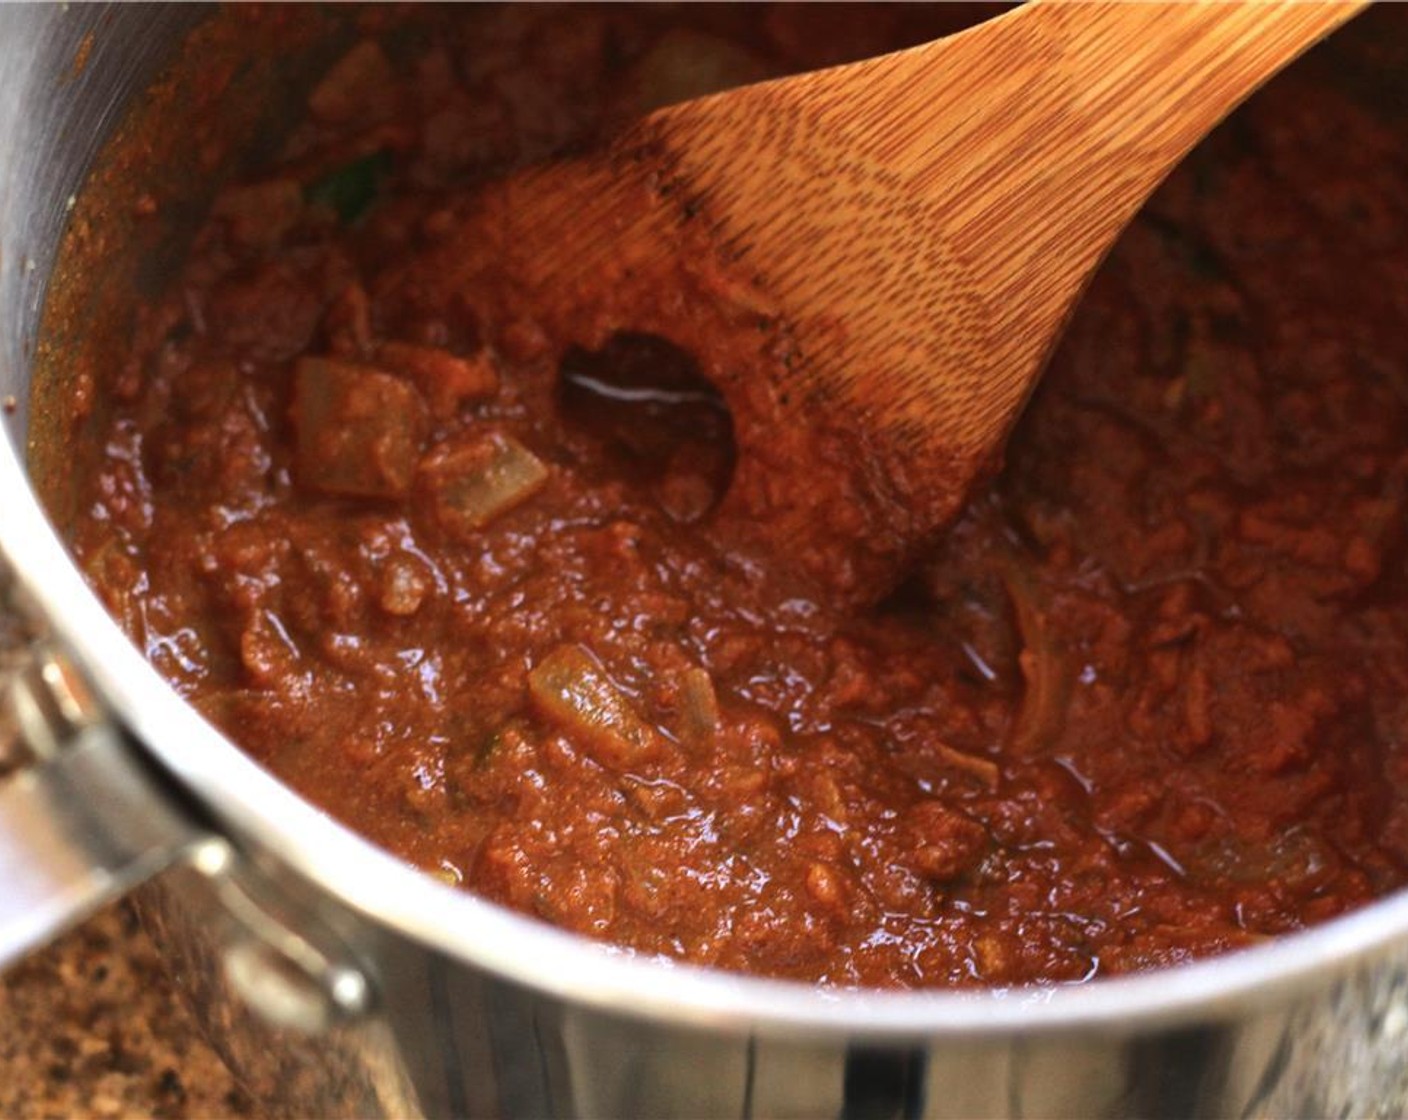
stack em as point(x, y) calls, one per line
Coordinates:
point(350, 190)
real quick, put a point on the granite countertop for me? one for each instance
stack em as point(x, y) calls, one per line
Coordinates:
point(91, 1027)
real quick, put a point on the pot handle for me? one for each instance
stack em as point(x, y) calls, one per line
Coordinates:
point(85, 817)
point(82, 820)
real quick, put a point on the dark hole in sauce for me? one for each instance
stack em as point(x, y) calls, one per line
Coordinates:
point(659, 421)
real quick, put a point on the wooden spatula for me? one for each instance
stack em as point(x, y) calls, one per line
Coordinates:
point(873, 262)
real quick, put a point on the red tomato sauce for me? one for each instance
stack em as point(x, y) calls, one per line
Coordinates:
point(452, 577)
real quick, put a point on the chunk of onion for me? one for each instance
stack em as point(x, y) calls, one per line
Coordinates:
point(571, 689)
point(472, 484)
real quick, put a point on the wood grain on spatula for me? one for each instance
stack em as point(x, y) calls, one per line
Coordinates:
point(873, 262)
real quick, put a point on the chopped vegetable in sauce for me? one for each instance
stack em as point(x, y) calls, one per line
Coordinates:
point(474, 482)
point(350, 190)
point(570, 687)
point(360, 431)
point(699, 708)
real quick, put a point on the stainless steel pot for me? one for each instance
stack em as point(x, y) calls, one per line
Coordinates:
point(338, 981)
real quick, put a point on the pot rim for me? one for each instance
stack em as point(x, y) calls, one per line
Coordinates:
point(255, 806)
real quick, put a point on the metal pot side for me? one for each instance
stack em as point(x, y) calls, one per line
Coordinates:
point(337, 981)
